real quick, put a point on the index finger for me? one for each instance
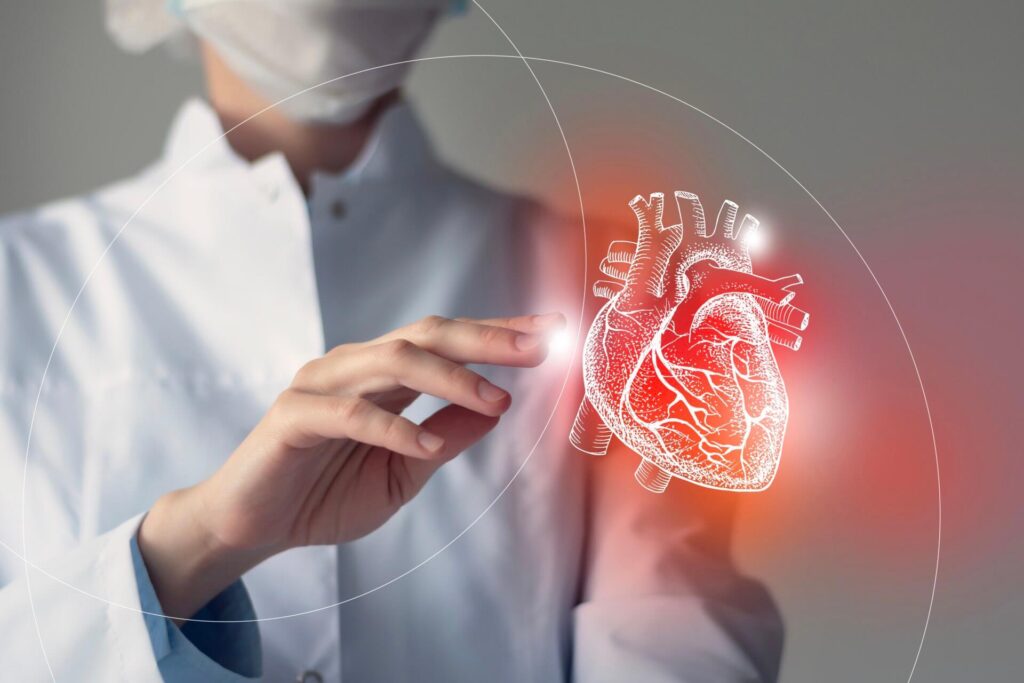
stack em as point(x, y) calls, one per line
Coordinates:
point(462, 341)
point(545, 322)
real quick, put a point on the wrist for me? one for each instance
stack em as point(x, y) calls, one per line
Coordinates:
point(186, 562)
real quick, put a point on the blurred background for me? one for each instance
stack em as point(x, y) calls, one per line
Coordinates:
point(902, 118)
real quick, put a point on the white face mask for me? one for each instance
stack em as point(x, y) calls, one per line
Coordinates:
point(282, 47)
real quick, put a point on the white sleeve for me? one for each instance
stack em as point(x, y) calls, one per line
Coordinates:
point(663, 600)
point(88, 625)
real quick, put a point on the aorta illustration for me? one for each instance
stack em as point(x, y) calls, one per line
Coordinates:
point(679, 363)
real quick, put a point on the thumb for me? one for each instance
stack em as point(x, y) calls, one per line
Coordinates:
point(460, 428)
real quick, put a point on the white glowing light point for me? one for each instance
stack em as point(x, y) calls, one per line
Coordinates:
point(756, 240)
point(679, 363)
point(559, 342)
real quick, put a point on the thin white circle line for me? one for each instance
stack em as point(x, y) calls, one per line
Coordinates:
point(885, 297)
point(832, 219)
point(102, 257)
point(24, 555)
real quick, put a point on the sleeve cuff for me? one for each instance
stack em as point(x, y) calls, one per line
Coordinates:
point(221, 643)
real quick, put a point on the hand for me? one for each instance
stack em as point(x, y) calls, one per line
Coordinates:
point(333, 459)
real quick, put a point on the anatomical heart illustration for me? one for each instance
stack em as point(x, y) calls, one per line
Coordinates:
point(678, 364)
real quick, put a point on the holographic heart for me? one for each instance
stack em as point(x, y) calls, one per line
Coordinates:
point(678, 364)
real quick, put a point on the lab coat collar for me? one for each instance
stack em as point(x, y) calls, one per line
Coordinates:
point(197, 139)
point(398, 146)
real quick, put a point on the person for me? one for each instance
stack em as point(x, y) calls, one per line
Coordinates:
point(276, 435)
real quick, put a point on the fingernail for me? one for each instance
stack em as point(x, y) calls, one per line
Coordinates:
point(525, 342)
point(549, 320)
point(489, 392)
point(431, 442)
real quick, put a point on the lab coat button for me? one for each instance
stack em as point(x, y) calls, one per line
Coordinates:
point(310, 676)
point(338, 209)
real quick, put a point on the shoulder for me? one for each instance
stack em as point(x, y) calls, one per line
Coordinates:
point(47, 254)
point(548, 244)
point(503, 213)
point(57, 227)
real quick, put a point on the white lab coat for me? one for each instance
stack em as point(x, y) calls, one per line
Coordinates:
point(196, 318)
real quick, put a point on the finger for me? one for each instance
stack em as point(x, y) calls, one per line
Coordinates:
point(460, 429)
point(523, 323)
point(606, 289)
point(726, 220)
point(470, 342)
point(400, 363)
point(615, 270)
point(306, 420)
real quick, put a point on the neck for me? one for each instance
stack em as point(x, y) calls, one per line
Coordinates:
point(308, 147)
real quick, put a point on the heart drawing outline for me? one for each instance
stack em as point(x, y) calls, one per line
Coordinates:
point(678, 364)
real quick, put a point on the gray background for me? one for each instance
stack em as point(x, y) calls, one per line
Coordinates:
point(902, 118)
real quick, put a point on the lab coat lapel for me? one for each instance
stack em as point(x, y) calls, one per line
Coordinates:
point(260, 310)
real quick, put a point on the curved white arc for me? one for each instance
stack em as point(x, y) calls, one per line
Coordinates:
point(28, 565)
point(874, 278)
